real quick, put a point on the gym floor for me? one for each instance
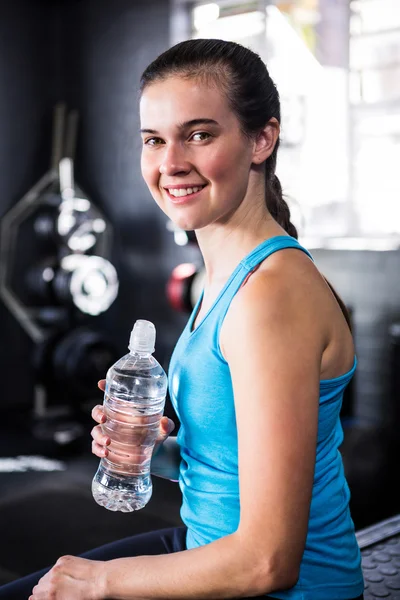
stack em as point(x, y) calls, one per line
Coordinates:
point(46, 504)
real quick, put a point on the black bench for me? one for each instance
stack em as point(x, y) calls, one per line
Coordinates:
point(380, 551)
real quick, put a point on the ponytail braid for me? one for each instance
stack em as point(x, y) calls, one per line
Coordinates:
point(278, 207)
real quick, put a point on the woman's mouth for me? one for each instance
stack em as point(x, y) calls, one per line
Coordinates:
point(181, 195)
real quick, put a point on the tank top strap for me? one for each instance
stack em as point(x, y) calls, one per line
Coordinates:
point(257, 256)
point(268, 247)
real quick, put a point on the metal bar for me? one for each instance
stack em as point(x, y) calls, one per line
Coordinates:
point(58, 134)
point(66, 174)
point(21, 314)
point(71, 134)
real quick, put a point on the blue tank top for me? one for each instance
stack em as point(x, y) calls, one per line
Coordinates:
point(201, 392)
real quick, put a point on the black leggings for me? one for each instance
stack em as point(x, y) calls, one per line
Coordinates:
point(163, 541)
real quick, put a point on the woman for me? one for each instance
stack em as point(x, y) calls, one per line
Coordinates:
point(258, 375)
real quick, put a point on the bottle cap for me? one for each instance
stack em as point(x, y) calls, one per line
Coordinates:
point(143, 337)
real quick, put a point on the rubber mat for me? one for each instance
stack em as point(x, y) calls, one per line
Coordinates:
point(380, 551)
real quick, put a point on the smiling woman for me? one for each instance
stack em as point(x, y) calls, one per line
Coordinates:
point(258, 374)
point(203, 147)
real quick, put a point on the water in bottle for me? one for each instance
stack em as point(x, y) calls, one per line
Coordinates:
point(134, 399)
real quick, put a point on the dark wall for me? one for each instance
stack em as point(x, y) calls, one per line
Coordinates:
point(369, 283)
point(89, 54)
point(26, 99)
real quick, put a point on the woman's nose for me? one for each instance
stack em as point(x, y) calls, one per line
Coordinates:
point(174, 162)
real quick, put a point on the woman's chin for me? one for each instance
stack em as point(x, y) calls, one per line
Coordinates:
point(186, 224)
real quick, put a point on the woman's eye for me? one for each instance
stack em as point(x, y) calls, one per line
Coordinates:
point(154, 141)
point(200, 136)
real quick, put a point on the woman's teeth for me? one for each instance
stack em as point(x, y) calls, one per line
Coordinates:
point(184, 191)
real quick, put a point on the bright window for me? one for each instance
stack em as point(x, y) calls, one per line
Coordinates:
point(337, 69)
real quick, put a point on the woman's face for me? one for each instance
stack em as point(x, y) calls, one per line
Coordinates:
point(195, 159)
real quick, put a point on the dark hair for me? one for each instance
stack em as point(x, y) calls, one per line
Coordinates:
point(250, 91)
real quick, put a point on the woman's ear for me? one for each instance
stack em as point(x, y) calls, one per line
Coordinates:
point(265, 141)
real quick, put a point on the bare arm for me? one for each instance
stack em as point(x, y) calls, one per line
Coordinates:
point(221, 569)
point(275, 373)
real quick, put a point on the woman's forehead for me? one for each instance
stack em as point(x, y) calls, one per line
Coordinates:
point(182, 99)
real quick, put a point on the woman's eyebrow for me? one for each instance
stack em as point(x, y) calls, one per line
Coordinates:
point(185, 125)
point(197, 122)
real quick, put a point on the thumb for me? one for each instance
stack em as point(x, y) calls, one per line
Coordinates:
point(166, 428)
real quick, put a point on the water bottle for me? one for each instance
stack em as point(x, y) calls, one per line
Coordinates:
point(134, 399)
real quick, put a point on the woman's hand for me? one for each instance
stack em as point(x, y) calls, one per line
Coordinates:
point(72, 578)
point(101, 441)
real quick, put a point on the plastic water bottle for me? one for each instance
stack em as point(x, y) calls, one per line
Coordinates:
point(134, 399)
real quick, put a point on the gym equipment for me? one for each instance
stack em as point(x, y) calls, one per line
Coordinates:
point(70, 363)
point(178, 287)
point(380, 551)
point(54, 275)
point(394, 409)
point(46, 238)
point(184, 286)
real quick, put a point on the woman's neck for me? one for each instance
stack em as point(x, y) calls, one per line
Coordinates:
point(224, 245)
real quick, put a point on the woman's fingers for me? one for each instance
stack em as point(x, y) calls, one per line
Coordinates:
point(101, 384)
point(100, 442)
point(98, 414)
point(98, 450)
point(99, 437)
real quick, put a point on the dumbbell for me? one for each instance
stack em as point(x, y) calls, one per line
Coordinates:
point(184, 286)
point(90, 283)
point(70, 363)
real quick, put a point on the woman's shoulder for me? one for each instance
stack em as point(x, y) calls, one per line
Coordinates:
point(288, 289)
point(284, 290)
point(288, 278)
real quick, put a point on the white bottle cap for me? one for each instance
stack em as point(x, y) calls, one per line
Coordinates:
point(143, 337)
